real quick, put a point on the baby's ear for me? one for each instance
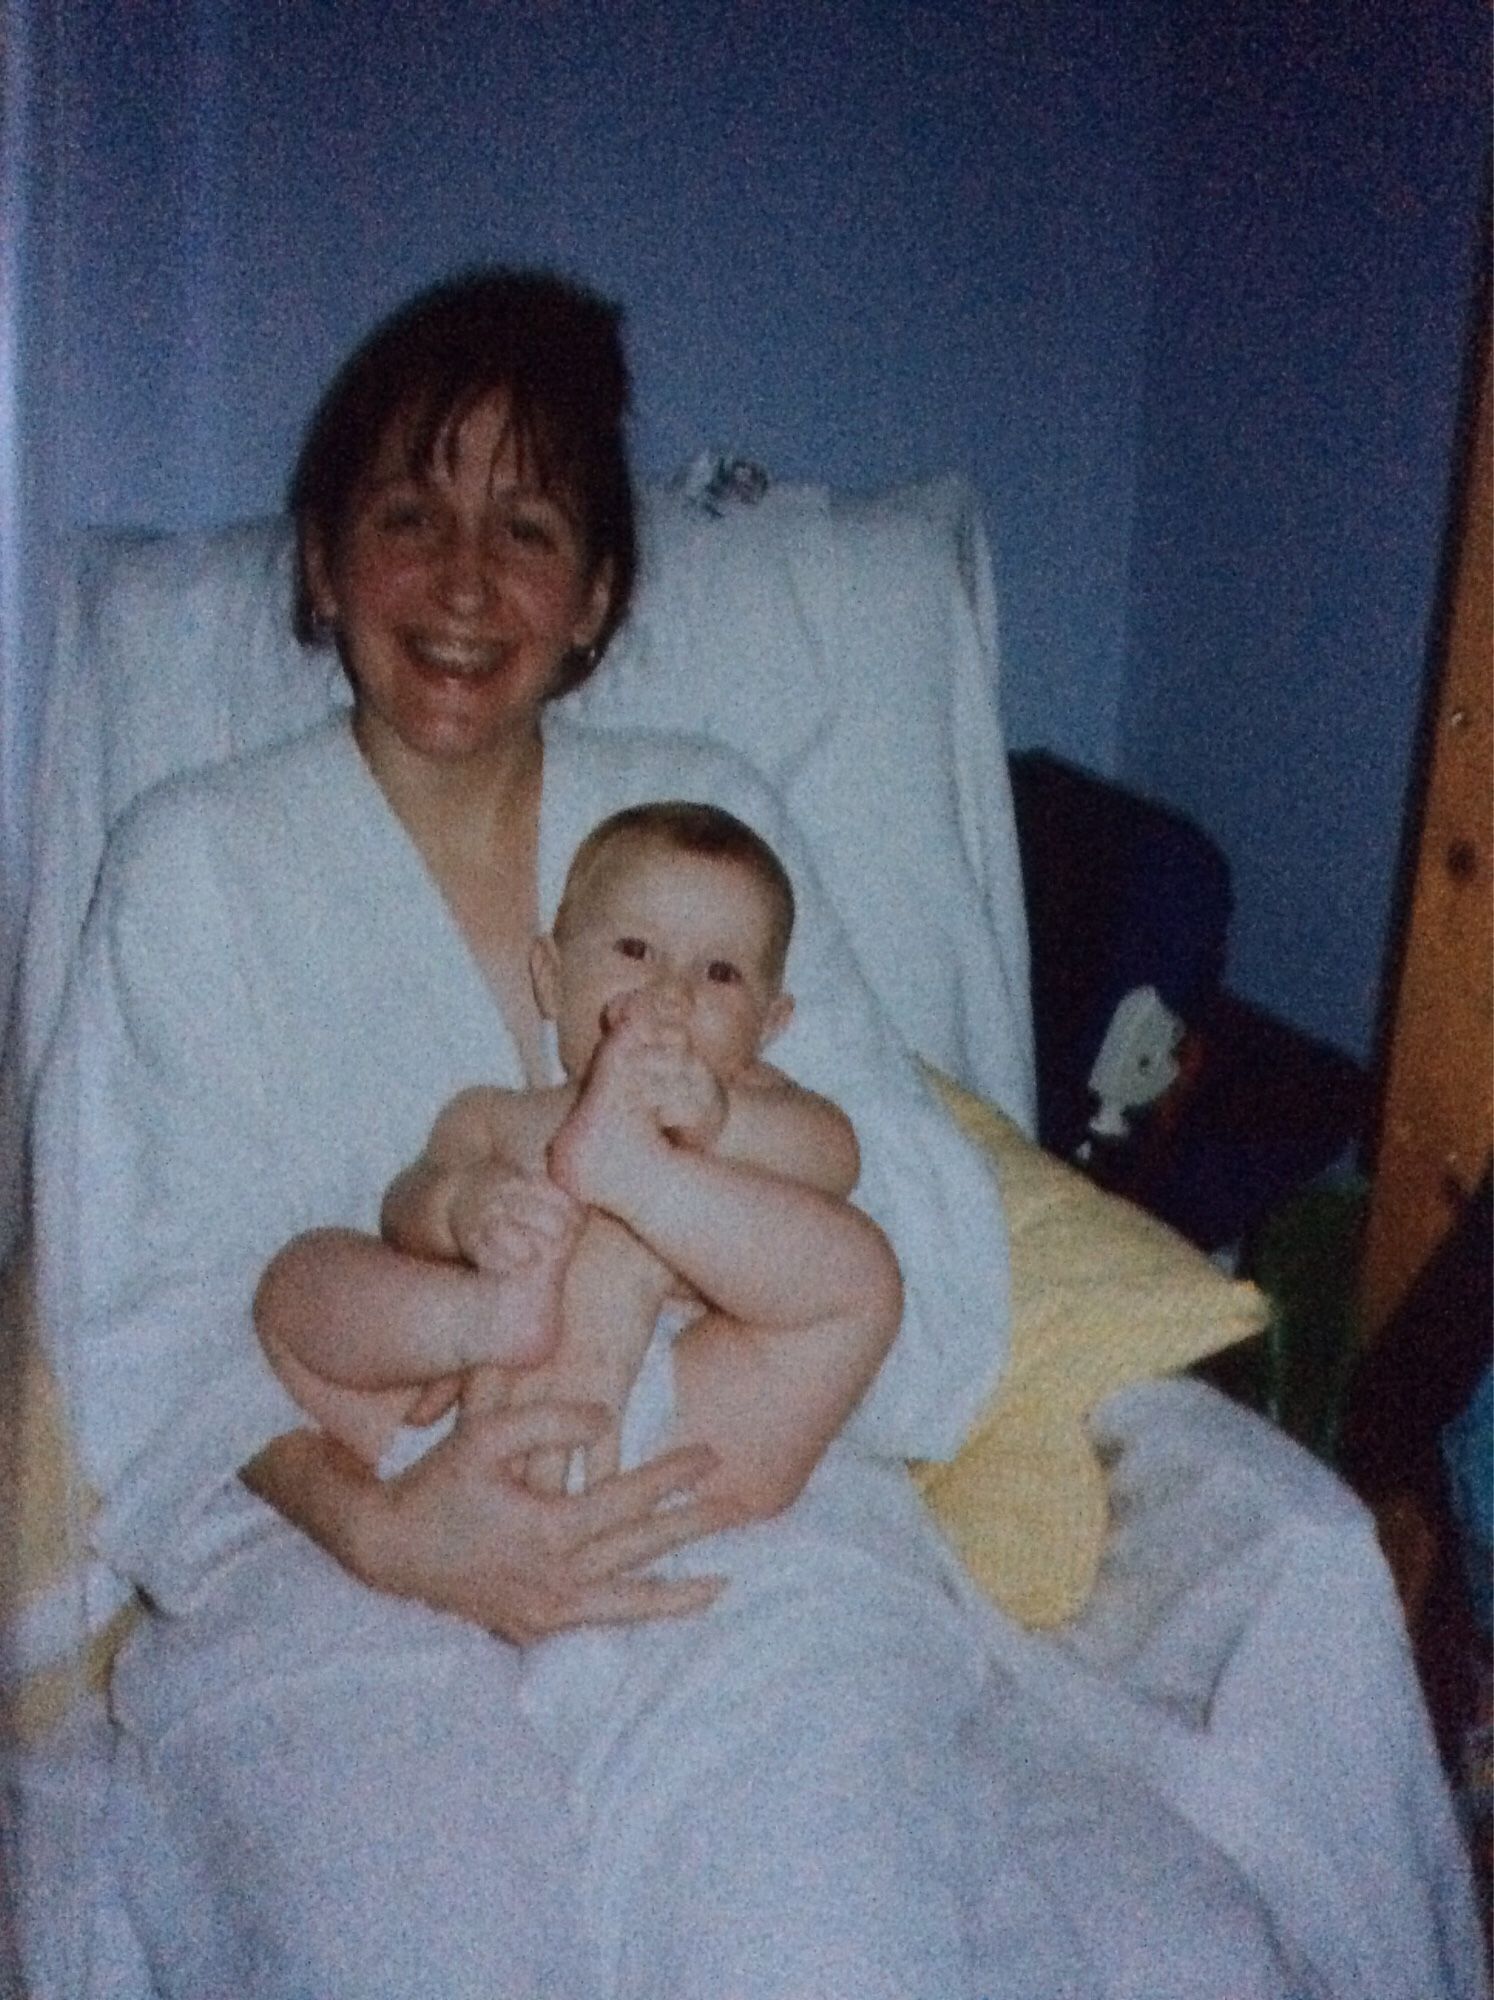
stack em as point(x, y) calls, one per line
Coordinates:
point(780, 1013)
point(544, 976)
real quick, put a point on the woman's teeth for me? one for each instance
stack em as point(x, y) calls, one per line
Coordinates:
point(465, 661)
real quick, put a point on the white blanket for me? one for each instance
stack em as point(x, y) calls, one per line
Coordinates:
point(1091, 1758)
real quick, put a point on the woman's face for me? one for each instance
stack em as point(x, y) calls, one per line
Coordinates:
point(456, 590)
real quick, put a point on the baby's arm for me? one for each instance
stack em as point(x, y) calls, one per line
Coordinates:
point(775, 1124)
point(368, 1332)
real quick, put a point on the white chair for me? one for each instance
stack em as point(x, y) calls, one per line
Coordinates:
point(1241, 1654)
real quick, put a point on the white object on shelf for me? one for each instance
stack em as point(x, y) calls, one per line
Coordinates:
point(1137, 1060)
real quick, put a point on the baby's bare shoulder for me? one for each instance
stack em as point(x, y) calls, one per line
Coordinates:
point(763, 1078)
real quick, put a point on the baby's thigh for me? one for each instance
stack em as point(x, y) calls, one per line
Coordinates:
point(322, 1790)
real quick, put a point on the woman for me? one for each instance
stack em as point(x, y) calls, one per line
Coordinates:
point(291, 963)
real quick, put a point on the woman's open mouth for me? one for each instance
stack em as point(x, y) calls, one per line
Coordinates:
point(458, 659)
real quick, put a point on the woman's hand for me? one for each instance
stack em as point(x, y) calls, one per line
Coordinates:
point(460, 1532)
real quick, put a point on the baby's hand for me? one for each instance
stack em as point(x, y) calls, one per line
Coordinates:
point(506, 1223)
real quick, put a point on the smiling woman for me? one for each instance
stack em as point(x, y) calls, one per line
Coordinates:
point(363, 905)
point(545, 356)
point(466, 536)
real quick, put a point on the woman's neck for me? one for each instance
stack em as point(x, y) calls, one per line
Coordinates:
point(464, 809)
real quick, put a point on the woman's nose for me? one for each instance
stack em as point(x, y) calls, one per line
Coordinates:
point(463, 578)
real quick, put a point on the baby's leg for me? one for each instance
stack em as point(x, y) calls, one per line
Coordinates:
point(368, 1337)
point(614, 1289)
point(614, 1285)
point(803, 1290)
point(365, 1420)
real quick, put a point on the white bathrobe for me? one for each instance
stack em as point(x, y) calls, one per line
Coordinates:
point(325, 1791)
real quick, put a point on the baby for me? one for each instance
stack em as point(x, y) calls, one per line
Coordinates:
point(674, 1180)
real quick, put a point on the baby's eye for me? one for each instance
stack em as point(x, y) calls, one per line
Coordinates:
point(631, 947)
point(721, 972)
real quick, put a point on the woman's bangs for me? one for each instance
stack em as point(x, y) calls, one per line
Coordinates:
point(545, 458)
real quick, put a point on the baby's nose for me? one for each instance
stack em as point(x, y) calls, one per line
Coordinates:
point(672, 988)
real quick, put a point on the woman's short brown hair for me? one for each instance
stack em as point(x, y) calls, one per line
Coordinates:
point(551, 348)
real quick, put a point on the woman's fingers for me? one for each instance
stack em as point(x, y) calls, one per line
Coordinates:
point(517, 1429)
point(547, 1471)
point(433, 1400)
point(636, 1543)
point(602, 1458)
point(627, 1498)
point(631, 1497)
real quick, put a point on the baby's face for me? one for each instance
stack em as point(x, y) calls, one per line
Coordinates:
point(699, 927)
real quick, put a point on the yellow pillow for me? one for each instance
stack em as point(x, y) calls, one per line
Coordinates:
point(1102, 1295)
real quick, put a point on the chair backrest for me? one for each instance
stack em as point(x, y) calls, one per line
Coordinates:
point(846, 645)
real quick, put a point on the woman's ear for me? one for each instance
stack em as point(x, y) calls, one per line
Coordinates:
point(317, 569)
point(544, 976)
point(598, 604)
point(780, 1013)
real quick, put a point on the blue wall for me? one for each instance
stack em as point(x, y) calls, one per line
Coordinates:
point(857, 242)
point(1318, 225)
point(1184, 295)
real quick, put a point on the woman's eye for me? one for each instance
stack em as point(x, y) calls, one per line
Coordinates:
point(631, 947)
point(400, 517)
point(721, 972)
point(533, 531)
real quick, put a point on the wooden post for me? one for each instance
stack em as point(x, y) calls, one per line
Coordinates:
point(1435, 1126)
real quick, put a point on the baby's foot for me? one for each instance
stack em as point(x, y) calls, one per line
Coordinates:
point(613, 1128)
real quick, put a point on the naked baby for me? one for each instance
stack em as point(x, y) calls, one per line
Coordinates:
point(531, 1250)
